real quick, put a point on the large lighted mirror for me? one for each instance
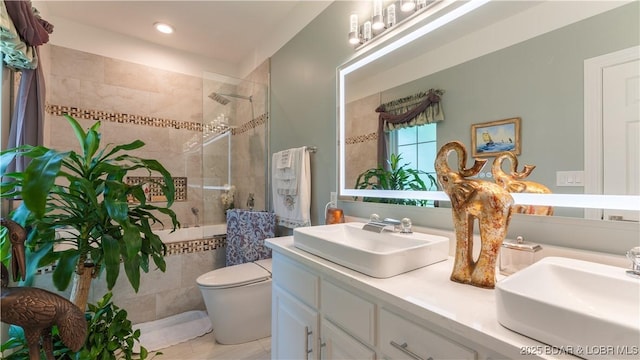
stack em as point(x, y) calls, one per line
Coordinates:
point(554, 65)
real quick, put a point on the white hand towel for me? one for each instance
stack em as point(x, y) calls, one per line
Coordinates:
point(285, 174)
point(293, 210)
point(284, 159)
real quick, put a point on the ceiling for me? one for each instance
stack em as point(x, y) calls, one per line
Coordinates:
point(227, 31)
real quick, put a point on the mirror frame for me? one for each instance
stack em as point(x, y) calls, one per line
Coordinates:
point(402, 36)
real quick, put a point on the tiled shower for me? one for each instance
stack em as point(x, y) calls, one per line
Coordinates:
point(172, 114)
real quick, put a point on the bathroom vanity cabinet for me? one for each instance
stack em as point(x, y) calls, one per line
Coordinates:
point(321, 310)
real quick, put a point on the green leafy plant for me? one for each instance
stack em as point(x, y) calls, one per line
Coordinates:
point(110, 333)
point(110, 336)
point(82, 199)
point(396, 177)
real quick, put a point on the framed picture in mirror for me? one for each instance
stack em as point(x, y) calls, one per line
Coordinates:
point(495, 137)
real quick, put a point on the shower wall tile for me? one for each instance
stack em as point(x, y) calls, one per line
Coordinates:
point(131, 75)
point(177, 301)
point(154, 281)
point(67, 90)
point(193, 265)
point(361, 136)
point(76, 64)
point(168, 95)
point(181, 107)
point(105, 97)
point(362, 116)
point(140, 308)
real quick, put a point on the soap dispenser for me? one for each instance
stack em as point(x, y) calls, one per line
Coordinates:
point(332, 214)
point(515, 256)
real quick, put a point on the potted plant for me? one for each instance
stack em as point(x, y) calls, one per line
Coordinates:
point(82, 199)
point(397, 177)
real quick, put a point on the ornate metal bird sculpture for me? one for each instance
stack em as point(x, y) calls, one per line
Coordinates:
point(37, 310)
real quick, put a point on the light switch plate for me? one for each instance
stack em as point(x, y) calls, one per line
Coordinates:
point(570, 178)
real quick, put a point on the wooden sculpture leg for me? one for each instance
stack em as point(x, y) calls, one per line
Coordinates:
point(33, 340)
point(463, 262)
point(47, 344)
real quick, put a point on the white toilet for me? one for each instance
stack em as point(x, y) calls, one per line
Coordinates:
point(238, 301)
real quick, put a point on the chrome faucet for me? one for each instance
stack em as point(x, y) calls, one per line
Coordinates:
point(375, 224)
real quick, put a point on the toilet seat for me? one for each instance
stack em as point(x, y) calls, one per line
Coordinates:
point(233, 276)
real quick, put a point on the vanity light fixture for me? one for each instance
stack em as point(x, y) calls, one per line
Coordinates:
point(354, 37)
point(407, 5)
point(391, 15)
point(163, 28)
point(367, 34)
point(377, 22)
point(381, 19)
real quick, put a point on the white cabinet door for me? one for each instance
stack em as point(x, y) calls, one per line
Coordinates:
point(349, 311)
point(338, 345)
point(403, 339)
point(294, 328)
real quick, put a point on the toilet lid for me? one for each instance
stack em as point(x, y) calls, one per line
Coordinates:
point(236, 275)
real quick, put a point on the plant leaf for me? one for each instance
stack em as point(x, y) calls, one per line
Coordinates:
point(34, 259)
point(132, 269)
point(132, 239)
point(127, 147)
point(39, 178)
point(111, 251)
point(91, 144)
point(78, 131)
point(65, 268)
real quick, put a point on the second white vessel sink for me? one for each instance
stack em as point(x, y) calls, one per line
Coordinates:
point(380, 255)
point(587, 309)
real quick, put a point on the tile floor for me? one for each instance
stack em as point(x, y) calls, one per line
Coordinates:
point(205, 348)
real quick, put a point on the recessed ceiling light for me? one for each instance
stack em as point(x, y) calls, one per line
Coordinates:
point(163, 28)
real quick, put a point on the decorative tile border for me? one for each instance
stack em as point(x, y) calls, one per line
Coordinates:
point(361, 138)
point(155, 190)
point(199, 245)
point(260, 120)
point(97, 115)
point(176, 248)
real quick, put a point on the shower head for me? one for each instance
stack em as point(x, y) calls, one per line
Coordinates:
point(223, 98)
point(237, 96)
point(218, 98)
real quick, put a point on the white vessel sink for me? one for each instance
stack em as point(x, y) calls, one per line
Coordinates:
point(379, 255)
point(587, 309)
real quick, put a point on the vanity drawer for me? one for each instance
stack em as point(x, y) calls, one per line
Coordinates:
point(296, 279)
point(349, 311)
point(402, 339)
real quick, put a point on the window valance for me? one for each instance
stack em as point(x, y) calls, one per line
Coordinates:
point(418, 109)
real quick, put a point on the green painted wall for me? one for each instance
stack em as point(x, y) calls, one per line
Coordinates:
point(303, 97)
